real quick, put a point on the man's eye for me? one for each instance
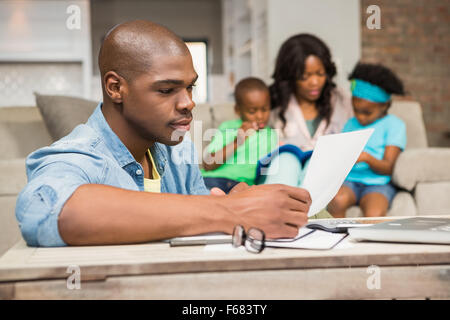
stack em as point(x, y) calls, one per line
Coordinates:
point(191, 87)
point(165, 91)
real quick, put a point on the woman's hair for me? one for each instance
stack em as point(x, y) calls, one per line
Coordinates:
point(290, 66)
point(378, 75)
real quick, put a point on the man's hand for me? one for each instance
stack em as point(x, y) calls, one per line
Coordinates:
point(217, 192)
point(237, 188)
point(278, 210)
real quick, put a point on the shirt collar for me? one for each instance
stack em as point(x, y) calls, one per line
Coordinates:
point(120, 152)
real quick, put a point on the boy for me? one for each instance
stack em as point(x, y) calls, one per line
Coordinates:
point(238, 145)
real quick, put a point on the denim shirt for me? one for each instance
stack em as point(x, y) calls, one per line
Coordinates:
point(93, 153)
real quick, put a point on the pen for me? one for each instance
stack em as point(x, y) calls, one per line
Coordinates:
point(195, 241)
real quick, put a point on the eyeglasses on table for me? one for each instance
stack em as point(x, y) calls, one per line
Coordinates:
point(252, 240)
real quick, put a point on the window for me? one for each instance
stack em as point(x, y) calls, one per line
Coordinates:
point(198, 51)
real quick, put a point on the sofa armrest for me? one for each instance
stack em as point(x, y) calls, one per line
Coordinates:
point(421, 165)
point(13, 177)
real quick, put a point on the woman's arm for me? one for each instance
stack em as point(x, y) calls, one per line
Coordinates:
point(384, 166)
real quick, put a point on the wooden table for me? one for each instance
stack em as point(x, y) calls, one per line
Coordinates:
point(158, 271)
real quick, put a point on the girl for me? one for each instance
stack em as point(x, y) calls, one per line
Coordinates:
point(369, 182)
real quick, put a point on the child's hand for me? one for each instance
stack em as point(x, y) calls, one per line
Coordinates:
point(363, 157)
point(246, 130)
point(246, 125)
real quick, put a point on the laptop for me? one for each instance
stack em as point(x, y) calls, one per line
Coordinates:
point(411, 230)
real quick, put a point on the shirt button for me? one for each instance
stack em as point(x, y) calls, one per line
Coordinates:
point(138, 172)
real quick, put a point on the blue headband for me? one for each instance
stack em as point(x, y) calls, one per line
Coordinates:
point(367, 91)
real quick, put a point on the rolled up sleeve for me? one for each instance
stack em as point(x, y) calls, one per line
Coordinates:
point(39, 204)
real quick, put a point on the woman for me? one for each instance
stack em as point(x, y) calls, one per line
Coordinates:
point(307, 104)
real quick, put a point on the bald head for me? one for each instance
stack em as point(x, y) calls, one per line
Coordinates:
point(130, 48)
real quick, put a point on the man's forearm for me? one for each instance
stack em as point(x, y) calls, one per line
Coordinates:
point(99, 214)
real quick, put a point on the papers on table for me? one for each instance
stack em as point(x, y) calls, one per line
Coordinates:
point(314, 239)
point(306, 239)
point(333, 157)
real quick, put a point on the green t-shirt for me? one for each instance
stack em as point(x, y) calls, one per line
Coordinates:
point(242, 165)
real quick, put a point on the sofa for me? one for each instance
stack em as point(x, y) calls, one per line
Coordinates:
point(422, 173)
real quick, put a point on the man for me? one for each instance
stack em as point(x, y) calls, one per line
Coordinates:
point(86, 189)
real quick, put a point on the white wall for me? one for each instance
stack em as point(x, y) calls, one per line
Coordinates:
point(39, 52)
point(187, 18)
point(335, 22)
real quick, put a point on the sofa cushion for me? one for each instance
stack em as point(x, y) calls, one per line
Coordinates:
point(402, 205)
point(12, 176)
point(411, 113)
point(20, 114)
point(433, 198)
point(63, 113)
point(22, 131)
point(9, 228)
point(223, 112)
point(421, 165)
point(19, 139)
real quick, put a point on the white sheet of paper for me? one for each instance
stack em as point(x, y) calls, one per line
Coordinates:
point(333, 157)
point(306, 239)
point(318, 239)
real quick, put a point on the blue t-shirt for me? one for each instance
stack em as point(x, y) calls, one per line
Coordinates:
point(389, 131)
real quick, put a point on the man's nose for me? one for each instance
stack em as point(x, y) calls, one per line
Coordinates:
point(185, 101)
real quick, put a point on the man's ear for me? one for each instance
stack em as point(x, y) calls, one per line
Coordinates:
point(114, 86)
